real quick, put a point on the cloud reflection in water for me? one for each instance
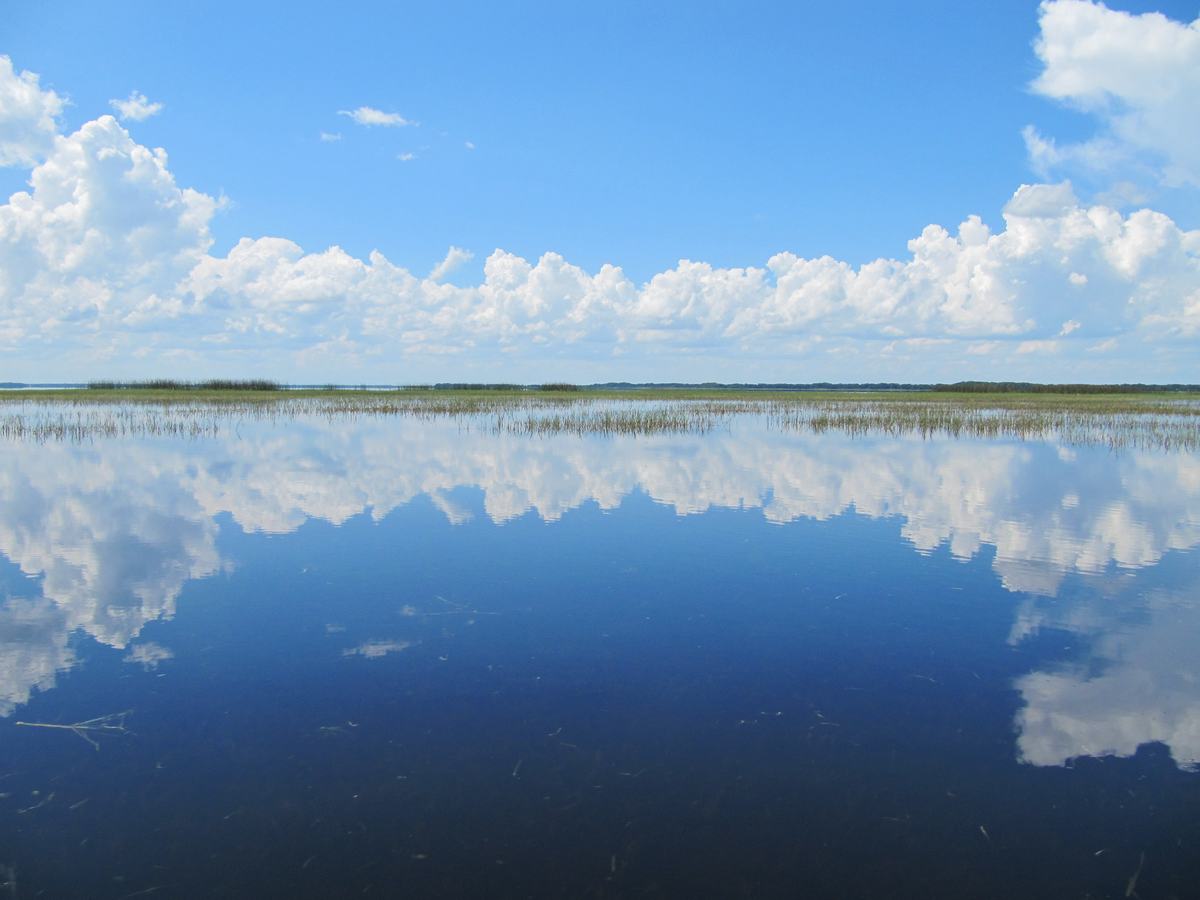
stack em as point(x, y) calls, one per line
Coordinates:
point(114, 530)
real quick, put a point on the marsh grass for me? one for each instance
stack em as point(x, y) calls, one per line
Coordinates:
point(1168, 427)
point(1158, 421)
point(172, 385)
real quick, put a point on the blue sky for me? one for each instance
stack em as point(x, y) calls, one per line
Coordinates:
point(723, 134)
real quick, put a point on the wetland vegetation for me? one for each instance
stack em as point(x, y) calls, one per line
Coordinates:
point(1151, 419)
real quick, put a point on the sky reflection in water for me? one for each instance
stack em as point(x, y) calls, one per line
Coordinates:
point(626, 630)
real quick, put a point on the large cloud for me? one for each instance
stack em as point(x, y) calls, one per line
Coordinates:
point(1139, 74)
point(98, 244)
point(28, 117)
point(105, 261)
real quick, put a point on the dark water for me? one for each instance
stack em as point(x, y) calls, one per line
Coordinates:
point(404, 658)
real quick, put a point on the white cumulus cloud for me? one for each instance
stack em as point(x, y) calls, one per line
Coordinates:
point(28, 117)
point(99, 241)
point(1139, 75)
point(105, 257)
point(137, 107)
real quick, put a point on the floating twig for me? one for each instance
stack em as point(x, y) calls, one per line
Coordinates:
point(37, 805)
point(113, 723)
point(1131, 888)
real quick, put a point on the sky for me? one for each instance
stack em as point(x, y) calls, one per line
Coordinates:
point(593, 192)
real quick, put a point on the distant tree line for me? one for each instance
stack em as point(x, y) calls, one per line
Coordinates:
point(967, 387)
point(169, 384)
point(1028, 387)
point(472, 386)
point(763, 386)
point(552, 386)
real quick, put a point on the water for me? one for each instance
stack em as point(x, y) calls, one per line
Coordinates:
point(402, 657)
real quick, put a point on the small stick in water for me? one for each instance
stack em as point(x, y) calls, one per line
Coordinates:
point(113, 723)
point(1131, 888)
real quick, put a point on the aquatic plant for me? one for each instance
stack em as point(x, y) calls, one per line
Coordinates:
point(1162, 420)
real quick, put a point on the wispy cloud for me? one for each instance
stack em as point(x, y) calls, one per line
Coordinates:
point(1037, 347)
point(330, 137)
point(455, 257)
point(137, 107)
point(406, 157)
point(368, 115)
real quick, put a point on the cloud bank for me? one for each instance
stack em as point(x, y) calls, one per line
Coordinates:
point(106, 267)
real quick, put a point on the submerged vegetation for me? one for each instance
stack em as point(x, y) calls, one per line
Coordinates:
point(1162, 420)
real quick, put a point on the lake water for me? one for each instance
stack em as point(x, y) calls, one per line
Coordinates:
point(408, 657)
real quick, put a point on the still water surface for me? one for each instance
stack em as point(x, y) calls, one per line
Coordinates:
point(402, 657)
